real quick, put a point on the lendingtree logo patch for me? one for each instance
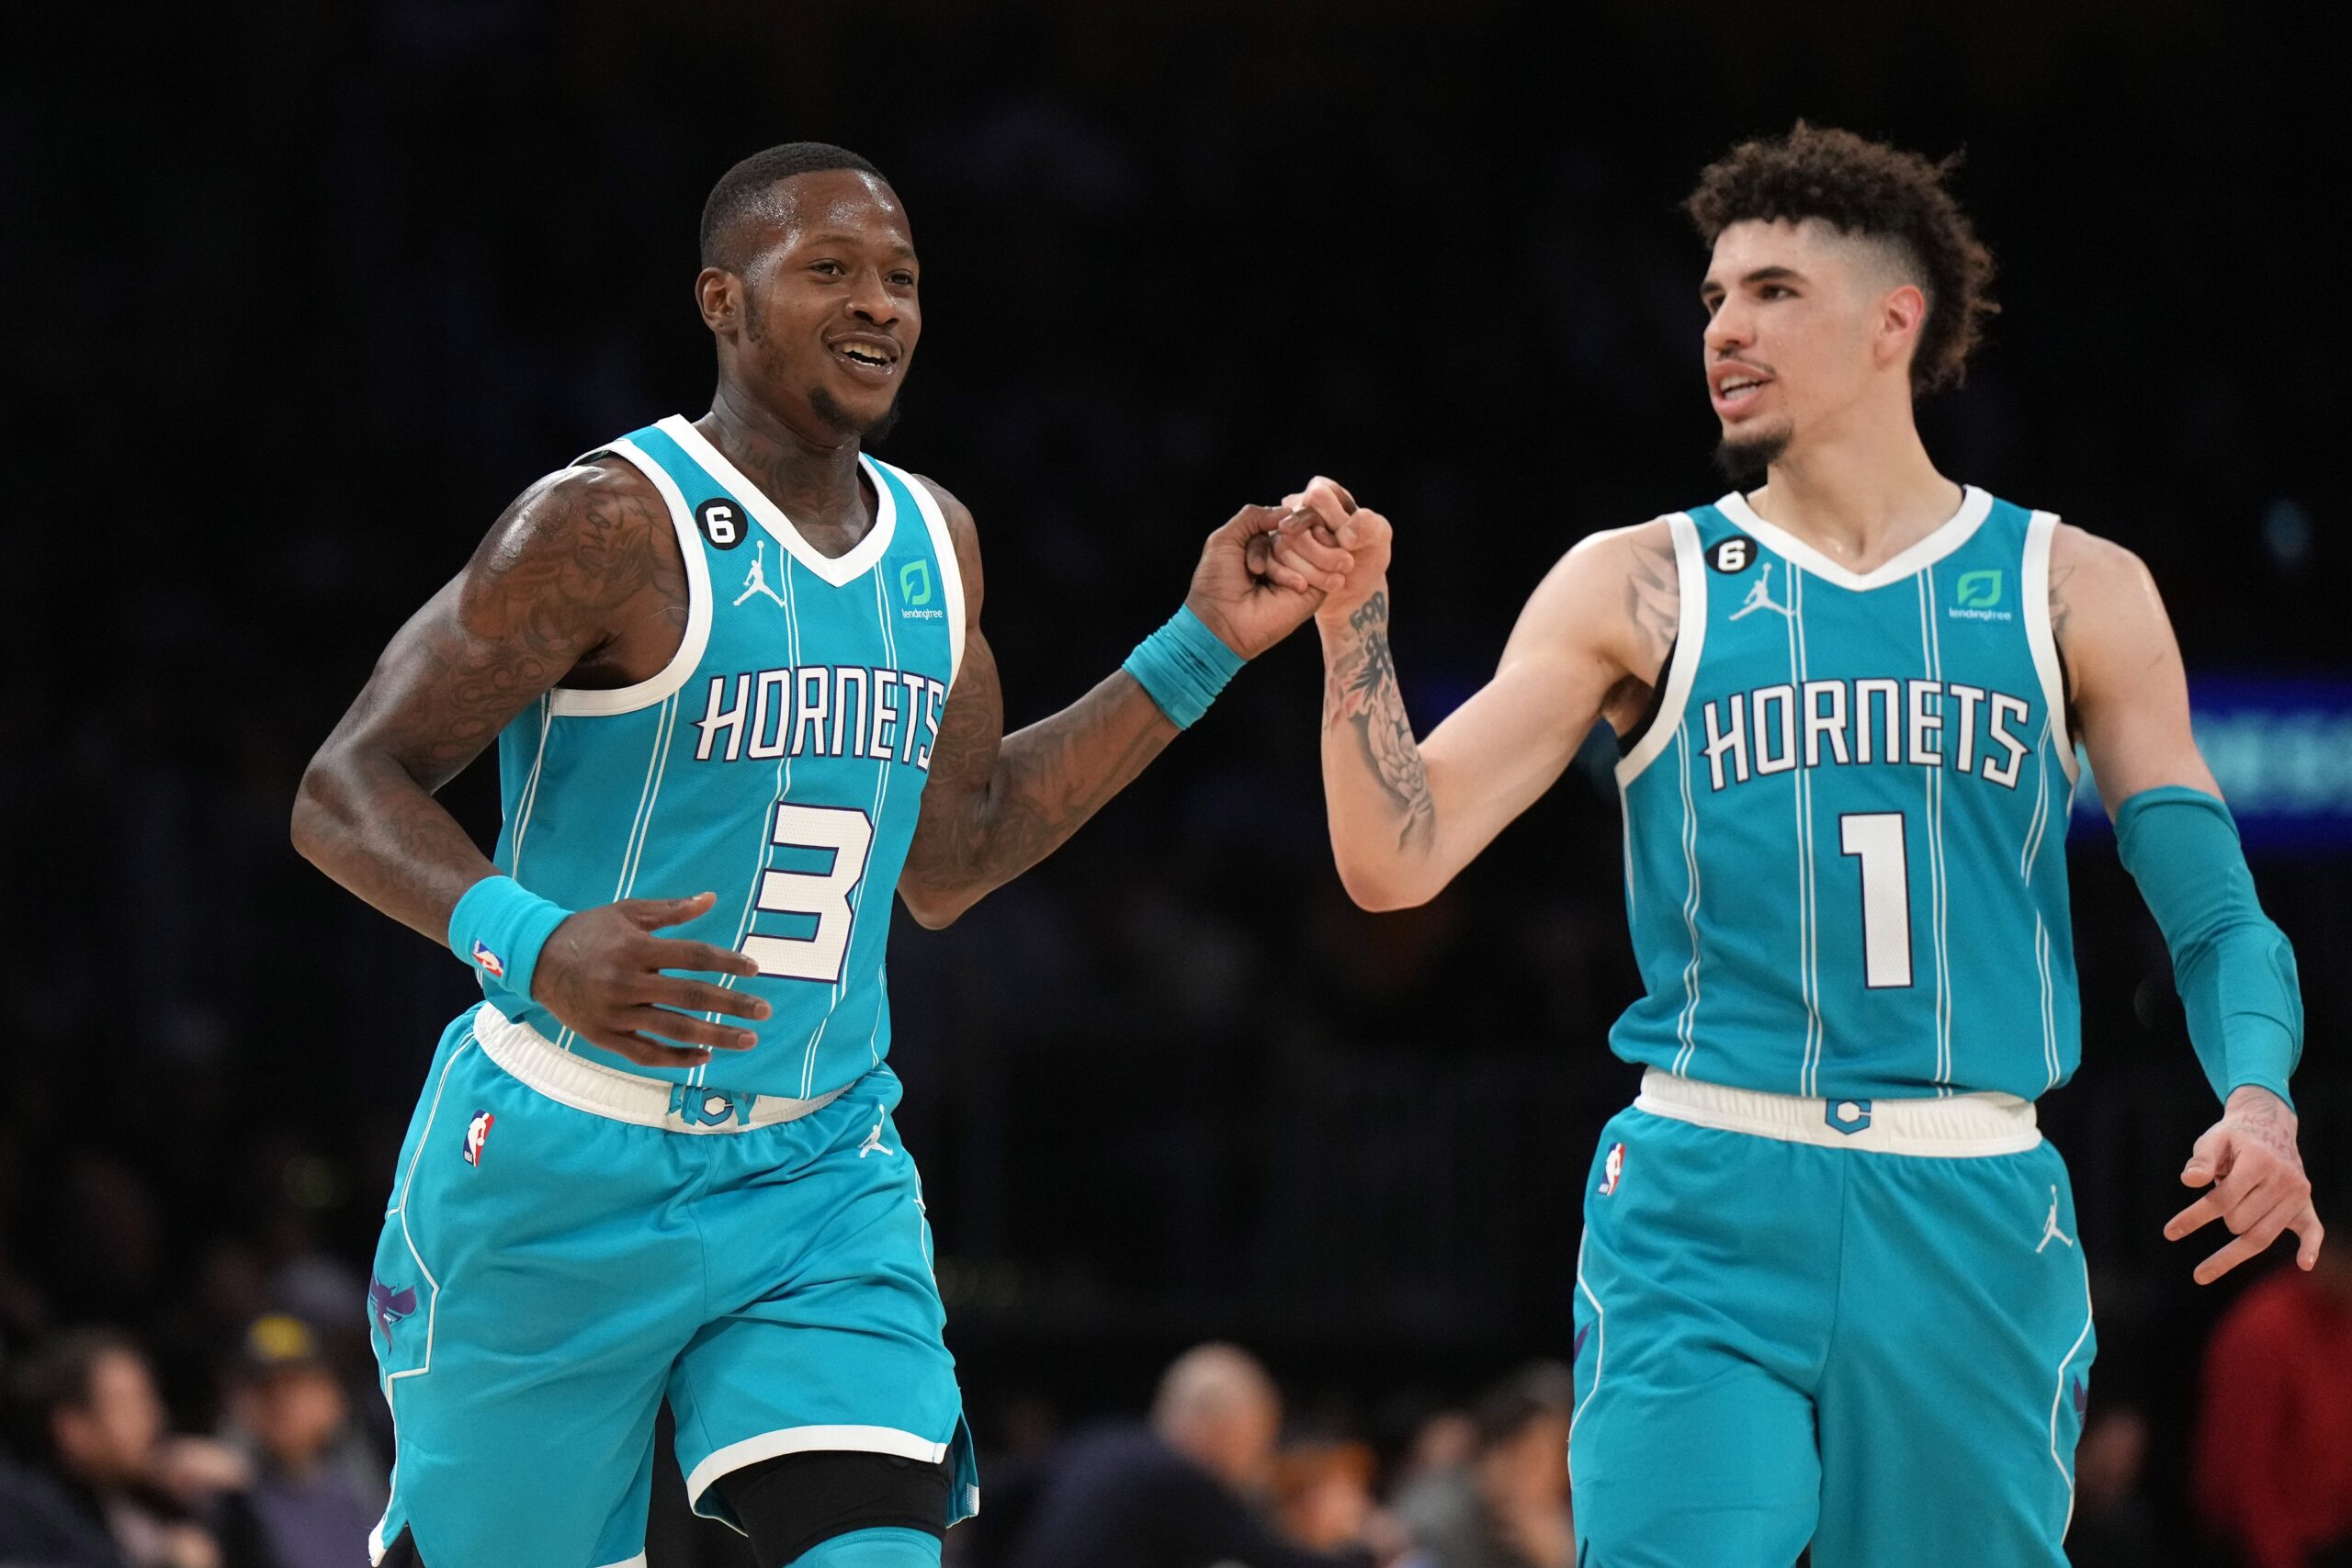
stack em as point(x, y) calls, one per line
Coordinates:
point(1979, 590)
point(1976, 596)
point(915, 582)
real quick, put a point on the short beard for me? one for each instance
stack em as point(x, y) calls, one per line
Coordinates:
point(825, 406)
point(1743, 460)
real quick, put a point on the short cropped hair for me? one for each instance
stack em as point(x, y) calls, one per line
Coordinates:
point(1871, 190)
point(741, 191)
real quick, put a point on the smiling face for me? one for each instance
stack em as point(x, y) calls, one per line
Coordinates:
point(819, 326)
point(1804, 325)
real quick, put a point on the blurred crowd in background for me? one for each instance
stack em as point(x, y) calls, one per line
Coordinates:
point(299, 294)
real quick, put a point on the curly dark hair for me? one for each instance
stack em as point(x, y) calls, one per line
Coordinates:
point(1871, 189)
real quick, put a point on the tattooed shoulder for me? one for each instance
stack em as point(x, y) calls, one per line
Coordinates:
point(581, 576)
point(1653, 593)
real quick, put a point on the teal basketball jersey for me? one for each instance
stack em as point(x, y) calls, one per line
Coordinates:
point(779, 760)
point(1845, 866)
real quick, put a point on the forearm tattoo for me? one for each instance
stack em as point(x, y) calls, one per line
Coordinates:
point(1360, 690)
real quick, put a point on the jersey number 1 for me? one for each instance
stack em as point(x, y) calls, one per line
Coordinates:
point(1875, 839)
point(848, 833)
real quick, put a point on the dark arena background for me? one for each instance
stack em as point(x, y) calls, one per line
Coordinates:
point(299, 296)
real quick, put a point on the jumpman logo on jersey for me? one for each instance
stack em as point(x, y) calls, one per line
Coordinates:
point(1759, 597)
point(874, 1144)
point(2050, 1231)
point(756, 580)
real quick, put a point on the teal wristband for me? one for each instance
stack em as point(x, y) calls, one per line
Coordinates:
point(1183, 667)
point(498, 928)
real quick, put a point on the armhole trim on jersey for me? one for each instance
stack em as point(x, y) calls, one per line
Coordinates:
point(565, 702)
point(950, 571)
point(2040, 530)
point(1682, 659)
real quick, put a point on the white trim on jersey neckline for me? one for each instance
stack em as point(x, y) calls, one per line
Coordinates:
point(1975, 505)
point(838, 570)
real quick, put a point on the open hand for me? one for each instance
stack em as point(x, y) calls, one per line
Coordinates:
point(601, 972)
point(2258, 1189)
point(1236, 592)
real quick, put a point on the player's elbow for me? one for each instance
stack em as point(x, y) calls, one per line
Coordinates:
point(1381, 890)
point(318, 811)
point(932, 909)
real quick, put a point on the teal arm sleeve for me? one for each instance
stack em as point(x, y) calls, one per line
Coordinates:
point(2235, 971)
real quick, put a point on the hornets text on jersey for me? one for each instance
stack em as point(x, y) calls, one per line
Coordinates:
point(779, 759)
point(1844, 867)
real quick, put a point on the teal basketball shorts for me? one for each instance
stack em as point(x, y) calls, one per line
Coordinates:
point(568, 1246)
point(1862, 1326)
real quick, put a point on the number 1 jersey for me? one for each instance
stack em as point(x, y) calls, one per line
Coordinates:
point(1845, 825)
point(779, 760)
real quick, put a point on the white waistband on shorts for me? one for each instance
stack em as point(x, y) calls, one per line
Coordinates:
point(568, 1079)
point(1959, 1126)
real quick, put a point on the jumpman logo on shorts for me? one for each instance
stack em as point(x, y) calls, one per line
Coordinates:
point(2050, 1231)
point(756, 580)
point(1759, 597)
point(874, 1144)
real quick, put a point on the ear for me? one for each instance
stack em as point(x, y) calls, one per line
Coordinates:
point(1901, 314)
point(719, 296)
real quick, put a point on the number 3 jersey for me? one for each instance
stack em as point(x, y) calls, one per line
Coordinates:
point(1845, 825)
point(777, 760)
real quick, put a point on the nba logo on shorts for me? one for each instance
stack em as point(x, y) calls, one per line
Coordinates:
point(477, 1134)
point(1611, 1168)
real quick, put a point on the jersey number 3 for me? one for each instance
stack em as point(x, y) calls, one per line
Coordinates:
point(848, 834)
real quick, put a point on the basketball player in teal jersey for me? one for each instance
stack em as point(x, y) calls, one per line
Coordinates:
point(1830, 1289)
point(736, 676)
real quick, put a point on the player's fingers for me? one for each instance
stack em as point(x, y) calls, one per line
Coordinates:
point(2245, 1200)
point(1286, 573)
point(1311, 574)
point(677, 952)
point(701, 996)
point(2209, 1158)
point(2311, 1232)
point(2197, 1215)
point(1322, 484)
point(652, 914)
point(1364, 529)
point(1313, 548)
point(1326, 500)
point(2252, 1243)
point(686, 1029)
point(643, 1052)
point(1248, 520)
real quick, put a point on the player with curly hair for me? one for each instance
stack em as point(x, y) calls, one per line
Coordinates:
point(1830, 1289)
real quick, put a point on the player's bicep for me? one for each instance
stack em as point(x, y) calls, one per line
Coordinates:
point(539, 595)
point(2130, 691)
point(1495, 756)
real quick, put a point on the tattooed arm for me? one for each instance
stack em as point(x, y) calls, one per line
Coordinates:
point(581, 583)
point(1407, 815)
point(995, 804)
point(2131, 701)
